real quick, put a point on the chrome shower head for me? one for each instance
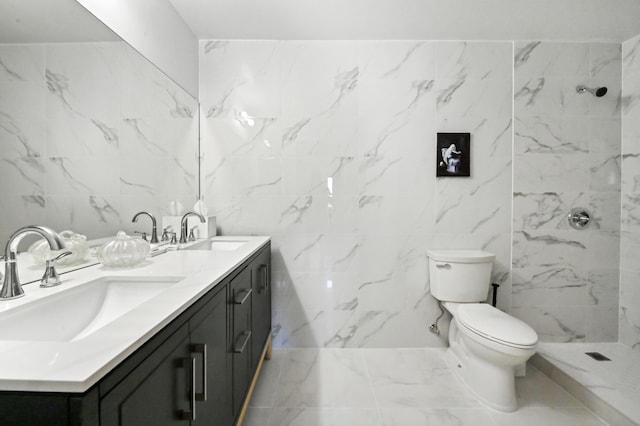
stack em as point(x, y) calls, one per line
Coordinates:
point(597, 92)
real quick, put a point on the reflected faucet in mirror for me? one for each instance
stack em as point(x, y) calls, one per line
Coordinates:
point(11, 286)
point(183, 225)
point(154, 228)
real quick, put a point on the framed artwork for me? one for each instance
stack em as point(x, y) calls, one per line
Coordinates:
point(453, 154)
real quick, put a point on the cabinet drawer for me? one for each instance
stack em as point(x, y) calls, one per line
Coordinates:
point(241, 298)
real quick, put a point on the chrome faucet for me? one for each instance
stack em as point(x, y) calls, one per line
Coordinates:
point(183, 225)
point(50, 277)
point(11, 286)
point(154, 229)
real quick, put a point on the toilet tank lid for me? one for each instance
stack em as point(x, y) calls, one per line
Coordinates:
point(461, 256)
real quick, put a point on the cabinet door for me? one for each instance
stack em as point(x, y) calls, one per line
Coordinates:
point(240, 301)
point(261, 304)
point(157, 392)
point(208, 328)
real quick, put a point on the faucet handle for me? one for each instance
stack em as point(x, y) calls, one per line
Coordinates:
point(50, 277)
point(174, 240)
point(143, 235)
point(60, 256)
point(165, 233)
point(192, 236)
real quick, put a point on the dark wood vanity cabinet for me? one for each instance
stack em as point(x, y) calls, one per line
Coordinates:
point(250, 298)
point(261, 310)
point(155, 391)
point(208, 331)
point(197, 370)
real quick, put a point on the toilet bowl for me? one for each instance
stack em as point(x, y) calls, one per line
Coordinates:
point(485, 344)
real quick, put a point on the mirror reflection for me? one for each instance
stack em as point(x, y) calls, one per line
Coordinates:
point(91, 132)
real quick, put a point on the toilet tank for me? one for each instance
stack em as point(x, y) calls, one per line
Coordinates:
point(460, 275)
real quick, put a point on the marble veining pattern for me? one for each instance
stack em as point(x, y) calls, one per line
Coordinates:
point(91, 134)
point(566, 154)
point(385, 387)
point(629, 314)
point(329, 147)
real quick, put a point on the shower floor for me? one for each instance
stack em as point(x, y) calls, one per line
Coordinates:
point(615, 382)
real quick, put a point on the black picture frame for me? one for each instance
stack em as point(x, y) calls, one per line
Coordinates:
point(453, 155)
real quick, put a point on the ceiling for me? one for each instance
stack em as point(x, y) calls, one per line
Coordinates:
point(46, 21)
point(566, 20)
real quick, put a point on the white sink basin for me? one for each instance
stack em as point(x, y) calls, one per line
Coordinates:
point(217, 245)
point(82, 310)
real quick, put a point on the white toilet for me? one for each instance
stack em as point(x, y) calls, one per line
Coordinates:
point(485, 344)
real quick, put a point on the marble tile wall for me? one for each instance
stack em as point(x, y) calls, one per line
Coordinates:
point(329, 146)
point(566, 154)
point(630, 220)
point(91, 133)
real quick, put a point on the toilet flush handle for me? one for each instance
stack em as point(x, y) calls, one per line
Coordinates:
point(443, 265)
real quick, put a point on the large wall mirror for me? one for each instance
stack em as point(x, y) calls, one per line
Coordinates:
point(90, 131)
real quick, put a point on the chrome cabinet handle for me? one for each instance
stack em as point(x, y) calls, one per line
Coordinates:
point(443, 265)
point(201, 348)
point(190, 414)
point(264, 272)
point(247, 336)
point(238, 300)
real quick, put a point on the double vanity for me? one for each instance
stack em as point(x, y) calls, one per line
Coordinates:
point(178, 339)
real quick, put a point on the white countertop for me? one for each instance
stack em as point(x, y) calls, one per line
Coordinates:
point(75, 366)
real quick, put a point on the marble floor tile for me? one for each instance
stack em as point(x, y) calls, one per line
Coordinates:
point(324, 417)
point(417, 378)
point(548, 416)
point(263, 392)
point(436, 417)
point(324, 378)
point(257, 416)
point(393, 387)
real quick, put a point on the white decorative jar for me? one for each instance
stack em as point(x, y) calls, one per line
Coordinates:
point(124, 251)
point(75, 243)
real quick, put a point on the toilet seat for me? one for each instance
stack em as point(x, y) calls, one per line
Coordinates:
point(493, 324)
